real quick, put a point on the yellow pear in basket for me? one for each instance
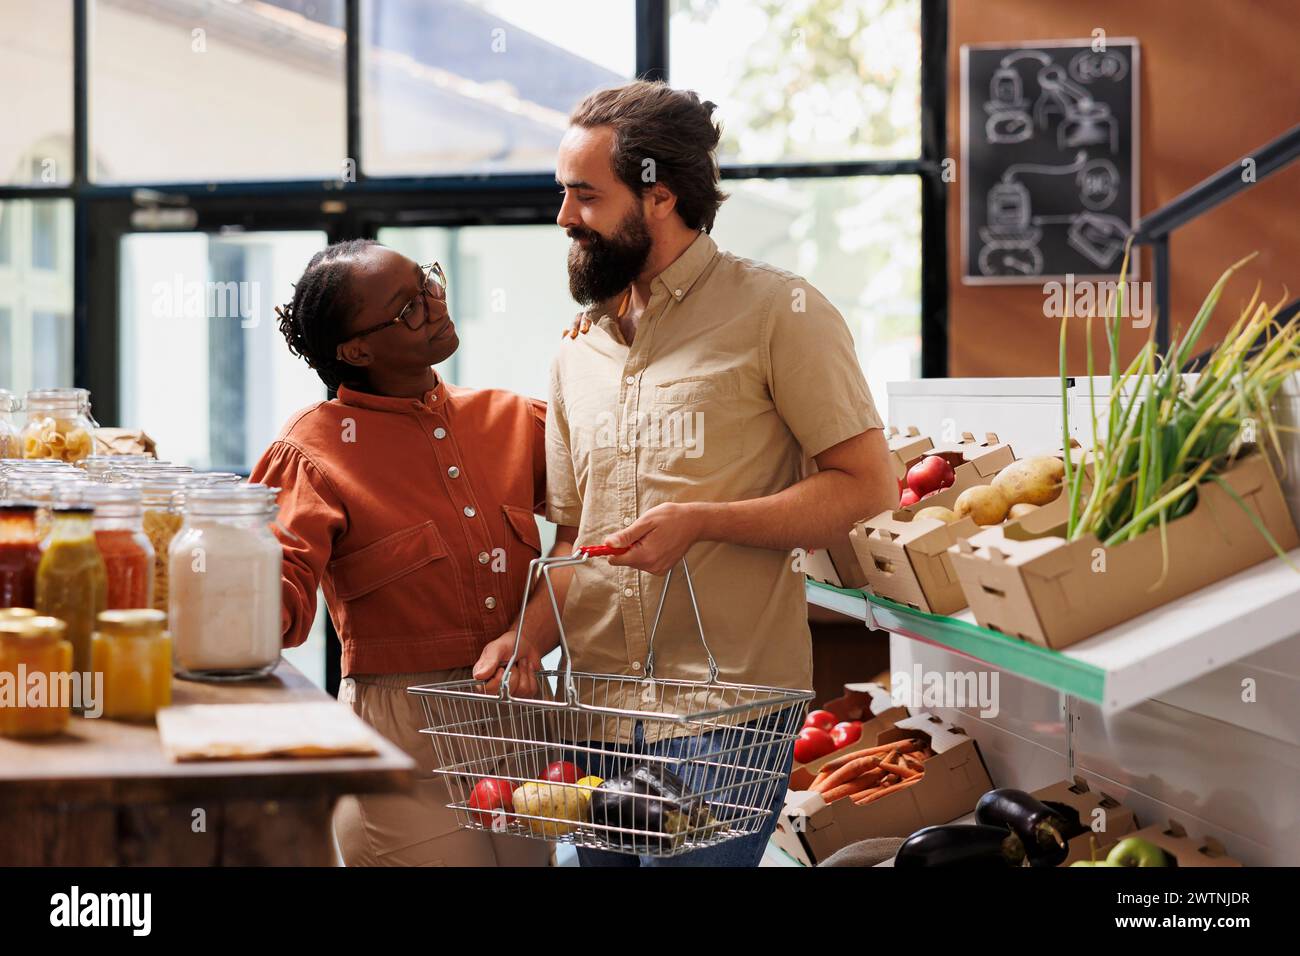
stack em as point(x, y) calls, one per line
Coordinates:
point(559, 801)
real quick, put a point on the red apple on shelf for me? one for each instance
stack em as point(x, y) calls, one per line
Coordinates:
point(812, 743)
point(931, 473)
point(846, 732)
point(822, 719)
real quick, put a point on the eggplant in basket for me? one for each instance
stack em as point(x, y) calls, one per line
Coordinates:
point(653, 799)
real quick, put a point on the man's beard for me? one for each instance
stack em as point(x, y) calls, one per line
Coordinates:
point(608, 265)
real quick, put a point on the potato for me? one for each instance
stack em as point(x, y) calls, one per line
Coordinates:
point(984, 503)
point(549, 800)
point(1032, 481)
point(1020, 510)
point(938, 512)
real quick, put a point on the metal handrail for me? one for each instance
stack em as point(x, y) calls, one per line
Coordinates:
point(1154, 228)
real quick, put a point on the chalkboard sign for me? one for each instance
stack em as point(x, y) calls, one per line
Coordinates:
point(1049, 165)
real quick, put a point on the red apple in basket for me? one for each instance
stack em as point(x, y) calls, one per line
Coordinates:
point(929, 474)
point(490, 794)
point(908, 497)
point(563, 772)
point(813, 743)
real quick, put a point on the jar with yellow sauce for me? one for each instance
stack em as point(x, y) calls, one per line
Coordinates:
point(33, 693)
point(71, 582)
point(133, 652)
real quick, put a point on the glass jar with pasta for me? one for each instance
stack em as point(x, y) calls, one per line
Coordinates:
point(161, 496)
point(59, 425)
point(11, 445)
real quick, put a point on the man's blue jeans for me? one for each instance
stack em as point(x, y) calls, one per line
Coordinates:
point(738, 851)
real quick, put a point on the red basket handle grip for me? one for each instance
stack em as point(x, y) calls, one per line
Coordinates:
point(600, 550)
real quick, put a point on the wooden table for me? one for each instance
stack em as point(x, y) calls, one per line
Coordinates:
point(104, 794)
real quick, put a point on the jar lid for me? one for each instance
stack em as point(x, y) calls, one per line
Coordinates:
point(58, 394)
point(9, 402)
point(132, 622)
point(117, 493)
point(71, 510)
point(32, 628)
point(243, 499)
point(15, 613)
point(17, 507)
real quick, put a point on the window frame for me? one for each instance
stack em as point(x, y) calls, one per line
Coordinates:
point(102, 214)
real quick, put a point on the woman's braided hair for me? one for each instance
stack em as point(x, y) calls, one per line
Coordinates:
point(313, 323)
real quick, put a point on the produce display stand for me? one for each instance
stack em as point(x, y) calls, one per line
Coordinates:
point(1190, 712)
point(105, 794)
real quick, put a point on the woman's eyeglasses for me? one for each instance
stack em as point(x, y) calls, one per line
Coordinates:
point(415, 314)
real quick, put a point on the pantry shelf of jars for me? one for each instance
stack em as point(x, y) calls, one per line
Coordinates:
point(128, 585)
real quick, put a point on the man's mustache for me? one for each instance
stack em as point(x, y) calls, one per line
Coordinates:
point(579, 233)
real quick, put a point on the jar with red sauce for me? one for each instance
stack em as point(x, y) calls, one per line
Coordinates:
point(20, 555)
point(119, 535)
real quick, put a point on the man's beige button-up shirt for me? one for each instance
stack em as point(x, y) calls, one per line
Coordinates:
point(739, 373)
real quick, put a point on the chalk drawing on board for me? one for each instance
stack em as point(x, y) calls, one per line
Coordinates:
point(1009, 120)
point(1089, 65)
point(1084, 121)
point(1011, 237)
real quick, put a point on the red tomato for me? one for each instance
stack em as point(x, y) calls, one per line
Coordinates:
point(563, 772)
point(813, 742)
point(846, 732)
point(822, 719)
point(908, 497)
point(490, 794)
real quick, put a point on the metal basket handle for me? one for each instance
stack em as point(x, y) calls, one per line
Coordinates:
point(543, 567)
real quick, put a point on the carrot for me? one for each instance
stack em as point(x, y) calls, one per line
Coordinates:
point(875, 794)
point(903, 746)
point(900, 770)
point(847, 773)
point(865, 782)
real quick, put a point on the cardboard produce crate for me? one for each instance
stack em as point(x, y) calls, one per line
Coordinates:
point(905, 558)
point(1114, 820)
point(1185, 850)
point(869, 703)
point(810, 830)
point(1031, 583)
point(905, 446)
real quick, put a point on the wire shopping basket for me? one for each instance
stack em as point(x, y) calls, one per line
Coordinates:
point(709, 762)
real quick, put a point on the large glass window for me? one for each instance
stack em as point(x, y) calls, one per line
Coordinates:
point(858, 240)
point(451, 86)
point(204, 369)
point(36, 293)
point(36, 77)
point(194, 90)
point(804, 79)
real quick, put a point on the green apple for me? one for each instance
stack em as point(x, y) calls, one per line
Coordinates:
point(1134, 851)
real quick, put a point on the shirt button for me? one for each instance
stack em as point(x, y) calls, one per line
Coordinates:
point(490, 603)
point(627, 592)
point(483, 557)
point(453, 472)
point(631, 379)
point(626, 522)
point(440, 432)
point(470, 512)
point(625, 448)
point(677, 292)
point(636, 665)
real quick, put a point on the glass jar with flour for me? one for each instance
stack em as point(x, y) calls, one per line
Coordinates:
point(224, 598)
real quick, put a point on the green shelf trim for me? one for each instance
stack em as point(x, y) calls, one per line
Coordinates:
point(1039, 664)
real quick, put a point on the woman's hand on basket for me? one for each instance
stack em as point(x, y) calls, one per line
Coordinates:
point(491, 666)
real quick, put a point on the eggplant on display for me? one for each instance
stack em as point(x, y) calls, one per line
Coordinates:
point(1042, 829)
point(652, 799)
point(964, 845)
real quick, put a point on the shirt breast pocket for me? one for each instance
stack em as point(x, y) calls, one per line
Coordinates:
point(696, 427)
point(358, 576)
